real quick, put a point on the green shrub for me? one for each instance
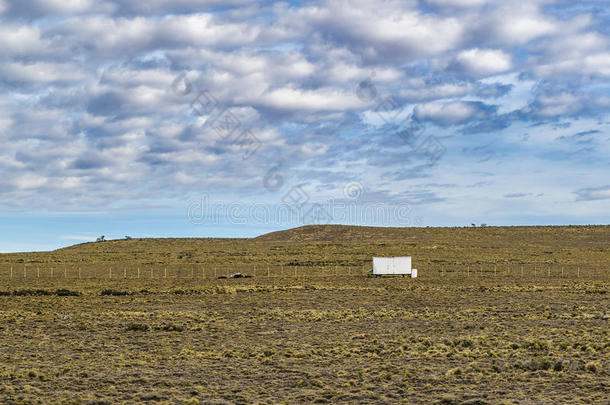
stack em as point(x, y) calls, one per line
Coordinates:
point(457, 371)
point(593, 367)
point(137, 327)
point(171, 328)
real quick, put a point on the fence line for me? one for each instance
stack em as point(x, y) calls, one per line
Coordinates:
point(114, 271)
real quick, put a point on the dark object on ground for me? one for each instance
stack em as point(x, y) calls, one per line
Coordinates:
point(115, 293)
point(62, 292)
point(219, 277)
point(239, 275)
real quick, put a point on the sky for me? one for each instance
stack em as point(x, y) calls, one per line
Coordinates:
point(209, 118)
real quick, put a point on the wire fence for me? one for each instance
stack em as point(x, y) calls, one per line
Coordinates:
point(214, 271)
point(186, 271)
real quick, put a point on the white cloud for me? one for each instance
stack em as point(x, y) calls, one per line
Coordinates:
point(288, 98)
point(378, 30)
point(419, 90)
point(564, 103)
point(42, 8)
point(5, 123)
point(42, 72)
point(202, 29)
point(574, 53)
point(448, 113)
point(20, 39)
point(484, 62)
point(458, 3)
point(89, 116)
point(64, 6)
point(29, 181)
point(520, 22)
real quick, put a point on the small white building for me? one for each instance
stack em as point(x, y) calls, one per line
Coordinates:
point(393, 266)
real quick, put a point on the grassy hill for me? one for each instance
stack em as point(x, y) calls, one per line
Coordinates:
point(353, 246)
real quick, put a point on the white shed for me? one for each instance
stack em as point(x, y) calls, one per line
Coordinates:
point(393, 265)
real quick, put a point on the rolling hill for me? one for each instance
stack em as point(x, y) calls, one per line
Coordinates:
point(353, 246)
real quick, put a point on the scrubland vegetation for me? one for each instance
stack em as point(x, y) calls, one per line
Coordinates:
point(450, 337)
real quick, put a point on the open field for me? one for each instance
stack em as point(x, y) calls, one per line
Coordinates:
point(326, 335)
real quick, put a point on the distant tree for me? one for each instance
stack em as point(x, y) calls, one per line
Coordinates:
point(127, 237)
point(101, 239)
point(474, 225)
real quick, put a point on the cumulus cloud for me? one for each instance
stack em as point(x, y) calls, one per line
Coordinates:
point(378, 30)
point(483, 62)
point(21, 40)
point(303, 100)
point(41, 72)
point(461, 3)
point(99, 98)
point(41, 8)
point(421, 90)
point(451, 113)
point(516, 22)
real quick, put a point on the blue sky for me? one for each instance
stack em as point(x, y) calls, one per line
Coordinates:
point(204, 118)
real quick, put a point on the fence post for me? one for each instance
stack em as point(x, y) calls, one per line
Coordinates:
point(138, 272)
point(110, 272)
point(37, 272)
point(548, 270)
point(561, 271)
point(578, 273)
point(11, 271)
point(268, 275)
point(165, 272)
point(494, 269)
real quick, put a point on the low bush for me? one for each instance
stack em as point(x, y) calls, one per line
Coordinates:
point(137, 327)
point(115, 293)
point(62, 292)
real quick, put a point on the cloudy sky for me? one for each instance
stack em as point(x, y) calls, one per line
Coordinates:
point(233, 118)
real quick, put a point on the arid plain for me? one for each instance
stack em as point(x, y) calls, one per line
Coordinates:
point(497, 315)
